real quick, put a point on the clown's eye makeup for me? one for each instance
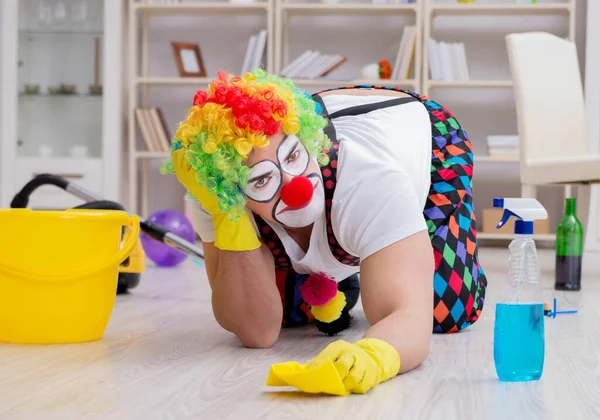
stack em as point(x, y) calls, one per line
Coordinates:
point(293, 156)
point(264, 181)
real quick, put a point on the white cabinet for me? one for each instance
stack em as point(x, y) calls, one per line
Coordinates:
point(61, 97)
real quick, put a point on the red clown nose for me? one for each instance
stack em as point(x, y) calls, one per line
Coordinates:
point(298, 192)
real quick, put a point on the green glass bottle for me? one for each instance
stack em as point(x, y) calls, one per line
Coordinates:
point(569, 249)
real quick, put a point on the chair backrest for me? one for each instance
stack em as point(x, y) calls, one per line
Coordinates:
point(549, 96)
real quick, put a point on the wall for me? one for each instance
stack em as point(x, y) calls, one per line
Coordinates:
point(482, 111)
point(7, 99)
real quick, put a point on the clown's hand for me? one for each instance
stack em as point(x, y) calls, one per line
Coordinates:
point(230, 235)
point(341, 368)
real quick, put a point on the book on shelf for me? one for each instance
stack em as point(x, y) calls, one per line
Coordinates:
point(312, 64)
point(256, 52)
point(406, 50)
point(447, 61)
point(505, 146)
point(154, 128)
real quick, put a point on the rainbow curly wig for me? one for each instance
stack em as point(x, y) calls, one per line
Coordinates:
point(237, 114)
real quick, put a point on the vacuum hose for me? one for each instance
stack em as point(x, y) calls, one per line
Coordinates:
point(21, 200)
point(155, 231)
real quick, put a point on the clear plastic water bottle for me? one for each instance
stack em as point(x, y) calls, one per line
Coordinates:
point(519, 340)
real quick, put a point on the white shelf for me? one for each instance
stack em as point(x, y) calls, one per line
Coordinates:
point(500, 9)
point(200, 8)
point(331, 82)
point(470, 84)
point(182, 81)
point(495, 159)
point(138, 51)
point(151, 155)
point(348, 8)
point(509, 237)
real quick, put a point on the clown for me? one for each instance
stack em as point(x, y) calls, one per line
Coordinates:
point(295, 195)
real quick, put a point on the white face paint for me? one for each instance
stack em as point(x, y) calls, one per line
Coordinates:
point(292, 156)
point(305, 215)
point(264, 181)
point(266, 177)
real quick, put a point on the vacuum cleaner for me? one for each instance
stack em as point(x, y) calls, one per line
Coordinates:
point(132, 268)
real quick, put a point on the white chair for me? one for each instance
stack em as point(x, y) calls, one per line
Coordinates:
point(553, 143)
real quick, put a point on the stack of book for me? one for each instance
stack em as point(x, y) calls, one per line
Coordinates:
point(447, 61)
point(312, 64)
point(256, 52)
point(154, 129)
point(401, 67)
point(503, 146)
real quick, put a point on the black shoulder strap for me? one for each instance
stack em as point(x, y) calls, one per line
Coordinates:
point(373, 106)
point(330, 129)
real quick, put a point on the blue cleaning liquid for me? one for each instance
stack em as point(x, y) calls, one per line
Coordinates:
point(519, 341)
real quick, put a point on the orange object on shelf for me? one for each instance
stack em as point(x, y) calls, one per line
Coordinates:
point(385, 69)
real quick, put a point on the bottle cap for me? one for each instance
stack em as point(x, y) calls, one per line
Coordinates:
point(523, 227)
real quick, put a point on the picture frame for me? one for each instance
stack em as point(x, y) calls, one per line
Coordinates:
point(188, 59)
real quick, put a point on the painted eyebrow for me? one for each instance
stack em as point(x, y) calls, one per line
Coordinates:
point(257, 177)
point(293, 149)
point(285, 137)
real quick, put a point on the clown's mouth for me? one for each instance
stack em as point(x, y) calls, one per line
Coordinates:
point(314, 178)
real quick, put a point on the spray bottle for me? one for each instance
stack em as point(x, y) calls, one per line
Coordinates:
point(519, 342)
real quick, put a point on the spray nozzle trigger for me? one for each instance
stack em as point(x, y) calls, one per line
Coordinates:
point(505, 216)
point(499, 203)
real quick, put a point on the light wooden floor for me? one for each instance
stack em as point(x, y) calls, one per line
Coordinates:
point(164, 357)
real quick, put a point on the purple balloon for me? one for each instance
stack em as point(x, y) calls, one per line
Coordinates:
point(164, 255)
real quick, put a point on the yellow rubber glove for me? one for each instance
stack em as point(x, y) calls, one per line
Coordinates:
point(340, 369)
point(232, 236)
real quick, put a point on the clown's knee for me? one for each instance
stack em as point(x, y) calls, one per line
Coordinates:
point(258, 338)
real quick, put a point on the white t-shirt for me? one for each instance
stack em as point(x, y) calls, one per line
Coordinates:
point(383, 178)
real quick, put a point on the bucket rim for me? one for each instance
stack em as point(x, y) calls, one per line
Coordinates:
point(77, 275)
point(81, 214)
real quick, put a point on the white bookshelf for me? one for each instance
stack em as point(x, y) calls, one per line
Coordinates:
point(175, 81)
point(472, 12)
point(498, 8)
point(434, 9)
point(348, 8)
point(280, 16)
point(140, 82)
point(318, 83)
point(286, 10)
point(495, 159)
point(199, 8)
point(433, 84)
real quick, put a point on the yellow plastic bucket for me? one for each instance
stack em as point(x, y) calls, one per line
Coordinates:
point(59, 273)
